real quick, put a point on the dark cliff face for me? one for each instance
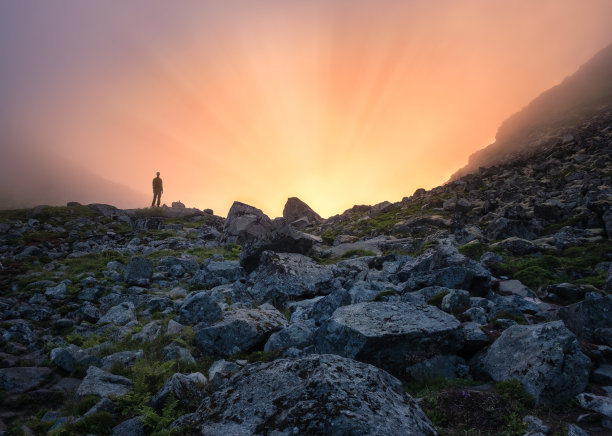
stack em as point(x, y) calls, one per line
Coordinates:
point(578, 97)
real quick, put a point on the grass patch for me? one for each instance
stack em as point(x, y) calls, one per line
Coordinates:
point(383, 294)
point(436, 300)
point(575, 264)
point(474, 250)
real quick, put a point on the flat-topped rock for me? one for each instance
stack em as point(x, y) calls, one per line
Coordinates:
point(318, 394)
point(389, 335)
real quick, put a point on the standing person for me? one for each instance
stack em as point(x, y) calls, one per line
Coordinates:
point(158, 189)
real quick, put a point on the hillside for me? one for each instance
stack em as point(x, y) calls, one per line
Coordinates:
point(482, 306)
point(552, 115)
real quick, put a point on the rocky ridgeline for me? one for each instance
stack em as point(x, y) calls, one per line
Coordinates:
point(175, 320)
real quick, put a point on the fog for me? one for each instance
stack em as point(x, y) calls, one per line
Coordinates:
point(336, 102)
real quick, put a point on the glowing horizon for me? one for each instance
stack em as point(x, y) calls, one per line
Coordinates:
point(336, 103)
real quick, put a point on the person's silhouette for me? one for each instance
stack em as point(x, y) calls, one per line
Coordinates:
point(158, 189)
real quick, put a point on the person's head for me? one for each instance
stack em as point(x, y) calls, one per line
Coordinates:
point(158, 174)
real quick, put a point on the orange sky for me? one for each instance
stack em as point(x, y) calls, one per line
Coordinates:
point(336, 102)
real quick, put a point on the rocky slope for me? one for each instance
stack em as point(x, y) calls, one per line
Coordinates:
point(479, 306)
point(564, 107)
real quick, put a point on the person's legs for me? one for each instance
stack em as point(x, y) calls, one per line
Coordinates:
point(155, 195)
point(158, 198)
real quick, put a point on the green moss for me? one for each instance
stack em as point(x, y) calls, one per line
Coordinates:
point(512, 390)
point(534, 276)
point(383, 294)
point(519, 319)
point(473, 250)
point(330, 235)
point(98, 423)
point(436, 300)
point(356, 252)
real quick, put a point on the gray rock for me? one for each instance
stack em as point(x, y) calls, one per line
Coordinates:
point(159, 304)
point(240, 331)
point(447, 367)
point(295, 209)
point(574, 430)
point(216, 273)
point(455, 301)
point(23, 379)
point(219, 372)
point(362, 292)
point(587, 316)
point(490, 259)
point(391, 336)
point(314, 395)
point(138, 271)
point(89, 312)
point(199, 307)
point(149, 332)
point(72, 357)
point(174, 328)
point(596, 403)
point(515, 287)
point(603, 375)
point(58, 292)
point(477, 315)
point(175, 352)
point(188, 390)
point(287, 276)
point(535, 424)
point(20, 332)
point(607, 219)
point(517, 246)
point(282, 238)
point(119, 315)
point(474, 338)
point(325, 307)
point(104, 405)
point(130, 427)
point(545, 358)
point(103, 384)
point(245, 223)
point(299, 335)
point(608, 285)
point(566, 291)
point(123, 358)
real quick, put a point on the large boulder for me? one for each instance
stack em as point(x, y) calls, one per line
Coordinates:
point(138, 271)
point(188, 390)
point(586, 317)
point(22, 379)
point(318, 394)
point(199, 307)
point(296, 210)
point(245, 223)
point(240, 331)
point(103, 384)
point(545, 358)
point(120, 314)
point(389, 335)
point(281, 238)
point(72, 357)
point(290, 276)
point(296, 335)
point(216, 273)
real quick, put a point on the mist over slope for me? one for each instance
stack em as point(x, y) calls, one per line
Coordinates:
point(564, 106)
point(30, 177)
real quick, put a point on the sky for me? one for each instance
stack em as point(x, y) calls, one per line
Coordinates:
point(336, 102)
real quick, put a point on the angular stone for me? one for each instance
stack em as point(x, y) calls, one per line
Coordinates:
point(188, 390)
point(391, 336)
point(72, 357)
point(325, 307)
point(447, 367)
point(103, 384)
point(545, 358)
point(245, 223)
point(314, 395)
point(290, 276)
point(297, 335)
point(124, 358)
point(199, 307)
point(216, 273)
point(295, 209)
point(138, 271)
point(22, 379)
point(587, 316)
point(119, 315)
point(240, 331)
point(596, 403)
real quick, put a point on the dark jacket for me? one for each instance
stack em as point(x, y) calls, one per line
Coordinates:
point(157, 184)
